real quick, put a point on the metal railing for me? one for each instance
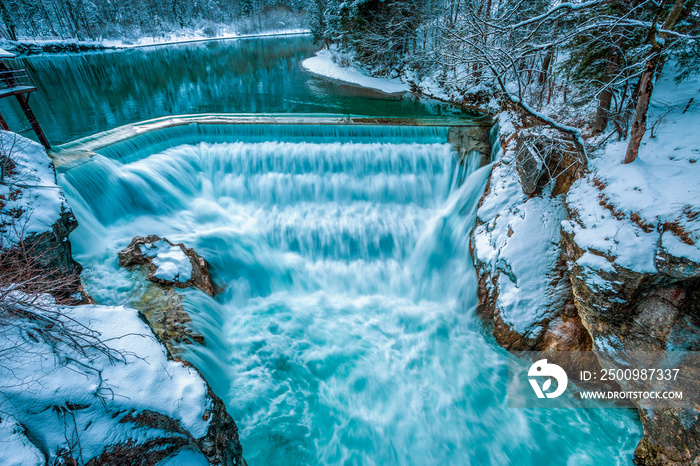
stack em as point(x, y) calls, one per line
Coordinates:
point(11, 80)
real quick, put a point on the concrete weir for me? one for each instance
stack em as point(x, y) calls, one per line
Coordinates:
point(465, 135)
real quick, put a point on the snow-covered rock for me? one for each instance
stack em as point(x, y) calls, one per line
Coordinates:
point(28, 190)
point(637, 288)
point(98, 385)
point(34, 211)
point(634, 233)
point(633, 240)
point(523, 282)
point(168, 263)
point(630, 238)
point(167, 266)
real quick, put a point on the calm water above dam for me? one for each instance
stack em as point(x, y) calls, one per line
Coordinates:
point(346, 332)
point(82, 94)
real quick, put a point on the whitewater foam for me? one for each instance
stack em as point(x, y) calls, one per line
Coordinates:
point(346, 330)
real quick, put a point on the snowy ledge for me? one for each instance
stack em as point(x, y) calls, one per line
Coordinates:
point(122, 396)
point(27, 186)
point(103, 44)
point(150, 42)
point(323, 65)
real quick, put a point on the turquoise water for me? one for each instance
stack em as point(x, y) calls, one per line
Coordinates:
point(82, 94)
point(345, 332)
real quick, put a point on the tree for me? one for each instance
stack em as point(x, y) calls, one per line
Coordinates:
point(8, 20)
point(659, 40)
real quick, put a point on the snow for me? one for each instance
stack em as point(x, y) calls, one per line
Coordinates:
point(594, 261)
point(15, 447)
point(6, 54)
point(518, 244)
point(172, 263)
point(30, 187)
point(505, 123)
point(185, 457)
point(596, 228)
point(323, 64)
point(198, 37)
point(659, 191)
point(180, 38)
point(591, 264)
point(61, 395)
point(505, 190)
point(531, 252)
point(675, 247)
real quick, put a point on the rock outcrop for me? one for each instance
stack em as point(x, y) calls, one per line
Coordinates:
point(471, 138)
point(560, 267)
point(516, 247)
point(149, 251)
point(638, 293)
point(161, 307)
point(73, 373)
point(35, 222)
point(70, 387)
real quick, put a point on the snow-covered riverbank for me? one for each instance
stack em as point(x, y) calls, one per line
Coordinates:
point(176, 39)
point(34, 46)
point(606, 259)
point(325, 63)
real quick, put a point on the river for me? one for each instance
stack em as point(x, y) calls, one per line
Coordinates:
point(346, 330)
point(82, 94)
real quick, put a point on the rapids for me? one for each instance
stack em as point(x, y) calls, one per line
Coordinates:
point(346, 330)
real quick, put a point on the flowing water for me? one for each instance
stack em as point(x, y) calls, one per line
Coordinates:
point(345, 332)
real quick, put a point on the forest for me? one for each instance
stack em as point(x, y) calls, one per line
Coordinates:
point(133, 19)
point(534, 54)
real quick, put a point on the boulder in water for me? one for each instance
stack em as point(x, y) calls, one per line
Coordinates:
point(169, 264)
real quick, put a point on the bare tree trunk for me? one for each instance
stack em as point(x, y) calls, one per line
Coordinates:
point(543, 78)
point(9, 22)
point(57, 12)
point(485, 15)
point(71, 17)
point(45, 14)
point(544, 74)
point(646, 82)
point(605, 98)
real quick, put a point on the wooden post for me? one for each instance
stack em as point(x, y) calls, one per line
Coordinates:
point(32, 120)
point(3, 124)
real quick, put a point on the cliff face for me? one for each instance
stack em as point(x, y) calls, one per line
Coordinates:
point(600, 260)
point(524, 287)
point(35, 221)
point(161, 307)
point(636, 284)
point(88, 383)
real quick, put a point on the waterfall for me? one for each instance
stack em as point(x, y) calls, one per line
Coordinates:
point(345, 332)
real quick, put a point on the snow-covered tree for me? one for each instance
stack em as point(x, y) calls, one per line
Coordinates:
point(128, 19)
point(600, 55)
